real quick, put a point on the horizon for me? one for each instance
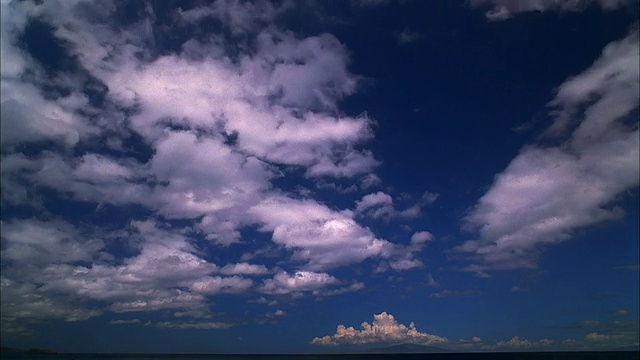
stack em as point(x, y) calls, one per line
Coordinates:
point(307, 177)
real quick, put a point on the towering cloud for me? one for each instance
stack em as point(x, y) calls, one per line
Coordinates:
point(384, 329)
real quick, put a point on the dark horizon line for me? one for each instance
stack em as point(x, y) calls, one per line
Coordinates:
point(41, 351)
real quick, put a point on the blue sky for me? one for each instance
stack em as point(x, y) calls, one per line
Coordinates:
point(319, 176)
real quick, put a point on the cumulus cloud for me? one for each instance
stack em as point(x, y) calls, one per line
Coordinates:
point(384, 329)
point(407, 36)
point(71, 273)
point(298, 282)
point(244, 269)
point(504, 9)
point(23, 305)
point(206, 325)
point(421, 237)
point(621, 312)
point(546, 193)
point(320, 237)
point(376, 205)
point(431, 282)
point(263, 300)
point(196, 136)
point(379, 205)
point(518, 343)
point(37, 243)
point(595, 337)
point(123, 321)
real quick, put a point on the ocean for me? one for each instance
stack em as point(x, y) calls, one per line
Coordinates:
point(576, 355)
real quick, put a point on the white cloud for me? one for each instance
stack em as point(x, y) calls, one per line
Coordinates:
point(215, 284)
point(370, 180)
point(124, 321)
point(431, 282)
point(595, 337)
point(300, 281)
point(377, 205)
point(263, 300)
point(39, 243)
point(518, 343)
point(546, 193)
point(320, 237)
point(504, 9)
point(244, 269)
point(621, 312)
point(420, 238)
point(407, 36)
point(214, 126)
point(380, 205)
point(241, 18)
point(452, 293)
point(27, 117)
point(405, 264)
point(46, 256)
point(23, 305)
point(205, 325)
point(384, 329)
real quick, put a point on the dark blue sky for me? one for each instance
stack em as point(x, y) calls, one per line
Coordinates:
point(267, 176)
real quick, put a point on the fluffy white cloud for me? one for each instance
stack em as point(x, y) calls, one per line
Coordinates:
point(264, 301)
point(384, 329)
point(547, 192)
point(300, 281)
point(215, 284)
point(504, 9)
point(376, 205)
point(407, 36)
point(320, 237)
point(380, 205)
point(421, 237)
point(205, 325)
point(124, 321)
point(244, 269)
point(77, 279)
point(195, 137)
point(23, 305)
point(595, 337)
point(28, 117)
point(39, 243)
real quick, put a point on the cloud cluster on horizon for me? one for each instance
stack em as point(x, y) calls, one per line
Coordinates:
point(384, 329)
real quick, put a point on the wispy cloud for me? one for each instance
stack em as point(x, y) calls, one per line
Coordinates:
point(546, 193)
point(407, 36)
point(505, 9)
point(628, 267)
point(452, 293)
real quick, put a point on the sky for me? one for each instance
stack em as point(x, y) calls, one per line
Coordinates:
point(319, 176)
